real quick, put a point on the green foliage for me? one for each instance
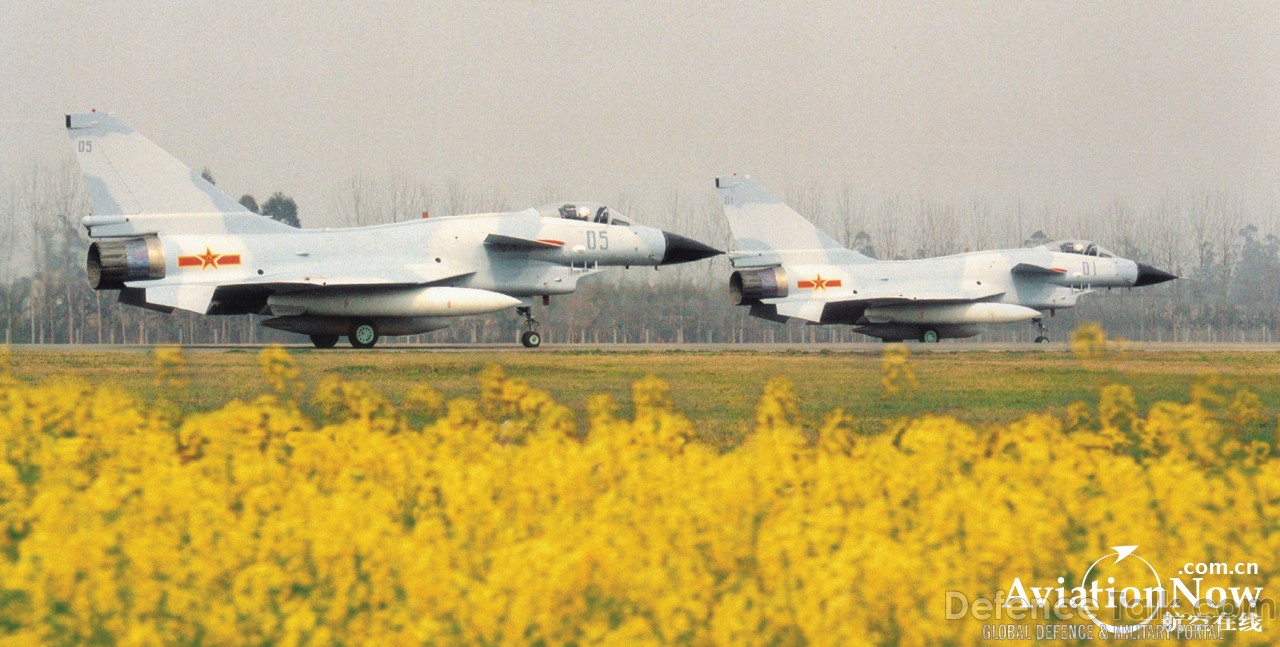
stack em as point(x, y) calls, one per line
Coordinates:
point(249, 202)
point(282, 208)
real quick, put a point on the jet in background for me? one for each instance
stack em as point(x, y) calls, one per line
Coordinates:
point(169, 240)
point(787, 269)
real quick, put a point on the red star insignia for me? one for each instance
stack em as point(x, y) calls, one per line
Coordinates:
point(209, 259)
point(818, 283)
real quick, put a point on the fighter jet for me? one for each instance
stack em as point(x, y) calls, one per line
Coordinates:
point(169, 240)
point(787, 269)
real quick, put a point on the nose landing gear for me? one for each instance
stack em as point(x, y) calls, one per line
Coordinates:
point(530, 338)
point(1043, 329)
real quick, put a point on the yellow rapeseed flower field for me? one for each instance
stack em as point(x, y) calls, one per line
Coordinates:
point(512, 519)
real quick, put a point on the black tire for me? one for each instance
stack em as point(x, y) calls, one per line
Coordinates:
point(324, 341)
point(1042, 340)
point(930, 336)
point(531, 339)
point(363, 334)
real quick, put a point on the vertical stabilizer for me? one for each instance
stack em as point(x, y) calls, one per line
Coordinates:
point(764, 227)
point(127, 174)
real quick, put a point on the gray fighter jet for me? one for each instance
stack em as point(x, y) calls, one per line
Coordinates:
point(169, 240)
point(787, 269)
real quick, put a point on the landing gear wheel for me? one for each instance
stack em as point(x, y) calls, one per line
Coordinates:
point(929, 336)
point(363, 334)
point(1042, 329)
point(530, 338)
point(324, 341)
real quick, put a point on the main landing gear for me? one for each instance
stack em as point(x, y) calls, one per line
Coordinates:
point(324, 341)
point(363, 334)
point(1044, 330)
point(530, 338)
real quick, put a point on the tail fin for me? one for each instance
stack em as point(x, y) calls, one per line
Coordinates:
point(768, 232)
point(128, 175)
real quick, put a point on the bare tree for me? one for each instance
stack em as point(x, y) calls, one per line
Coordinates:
point(10, 234)
point(888, 227)
point(47, 208)
point(851, 209)
point(1166, 240)
point(810, 202)
point(354, 201)
point(460, 199)
point(364, 200)
point(1049, 219)
point(1121, 229)
point(1215, 221)
point(404, 198)
point(548, 193)
point(980, 225)
point(1016, 226)
point(936, 228)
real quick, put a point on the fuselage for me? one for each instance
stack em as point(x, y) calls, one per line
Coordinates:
point(933, 298)
point(975, 272)
point(422, 249)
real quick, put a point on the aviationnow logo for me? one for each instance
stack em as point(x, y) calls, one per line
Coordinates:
point(1133, 596)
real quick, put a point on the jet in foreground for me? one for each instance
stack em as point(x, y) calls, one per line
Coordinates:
point(169, 240)
point(786, 268)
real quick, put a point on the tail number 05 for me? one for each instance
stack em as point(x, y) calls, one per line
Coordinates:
point(598, 239)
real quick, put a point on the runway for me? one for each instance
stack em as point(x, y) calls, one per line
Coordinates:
point(864, 348)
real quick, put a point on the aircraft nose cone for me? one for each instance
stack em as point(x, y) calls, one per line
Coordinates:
point(684, 250)
point(1148, 275)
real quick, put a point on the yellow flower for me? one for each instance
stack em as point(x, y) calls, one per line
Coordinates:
point(507, 520)
point(896, 372)
point(1089, 341)
point(280, 372)
point(171, 368)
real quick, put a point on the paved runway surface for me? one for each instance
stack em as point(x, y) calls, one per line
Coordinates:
point(944, 347)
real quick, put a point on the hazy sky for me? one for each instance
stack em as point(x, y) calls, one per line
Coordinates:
point(1074, 102)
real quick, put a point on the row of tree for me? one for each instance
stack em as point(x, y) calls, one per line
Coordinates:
point(1226, 251)
point(278, 207)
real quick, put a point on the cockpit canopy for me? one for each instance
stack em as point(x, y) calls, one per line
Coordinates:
point(1082, 247)
point(584, 211)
